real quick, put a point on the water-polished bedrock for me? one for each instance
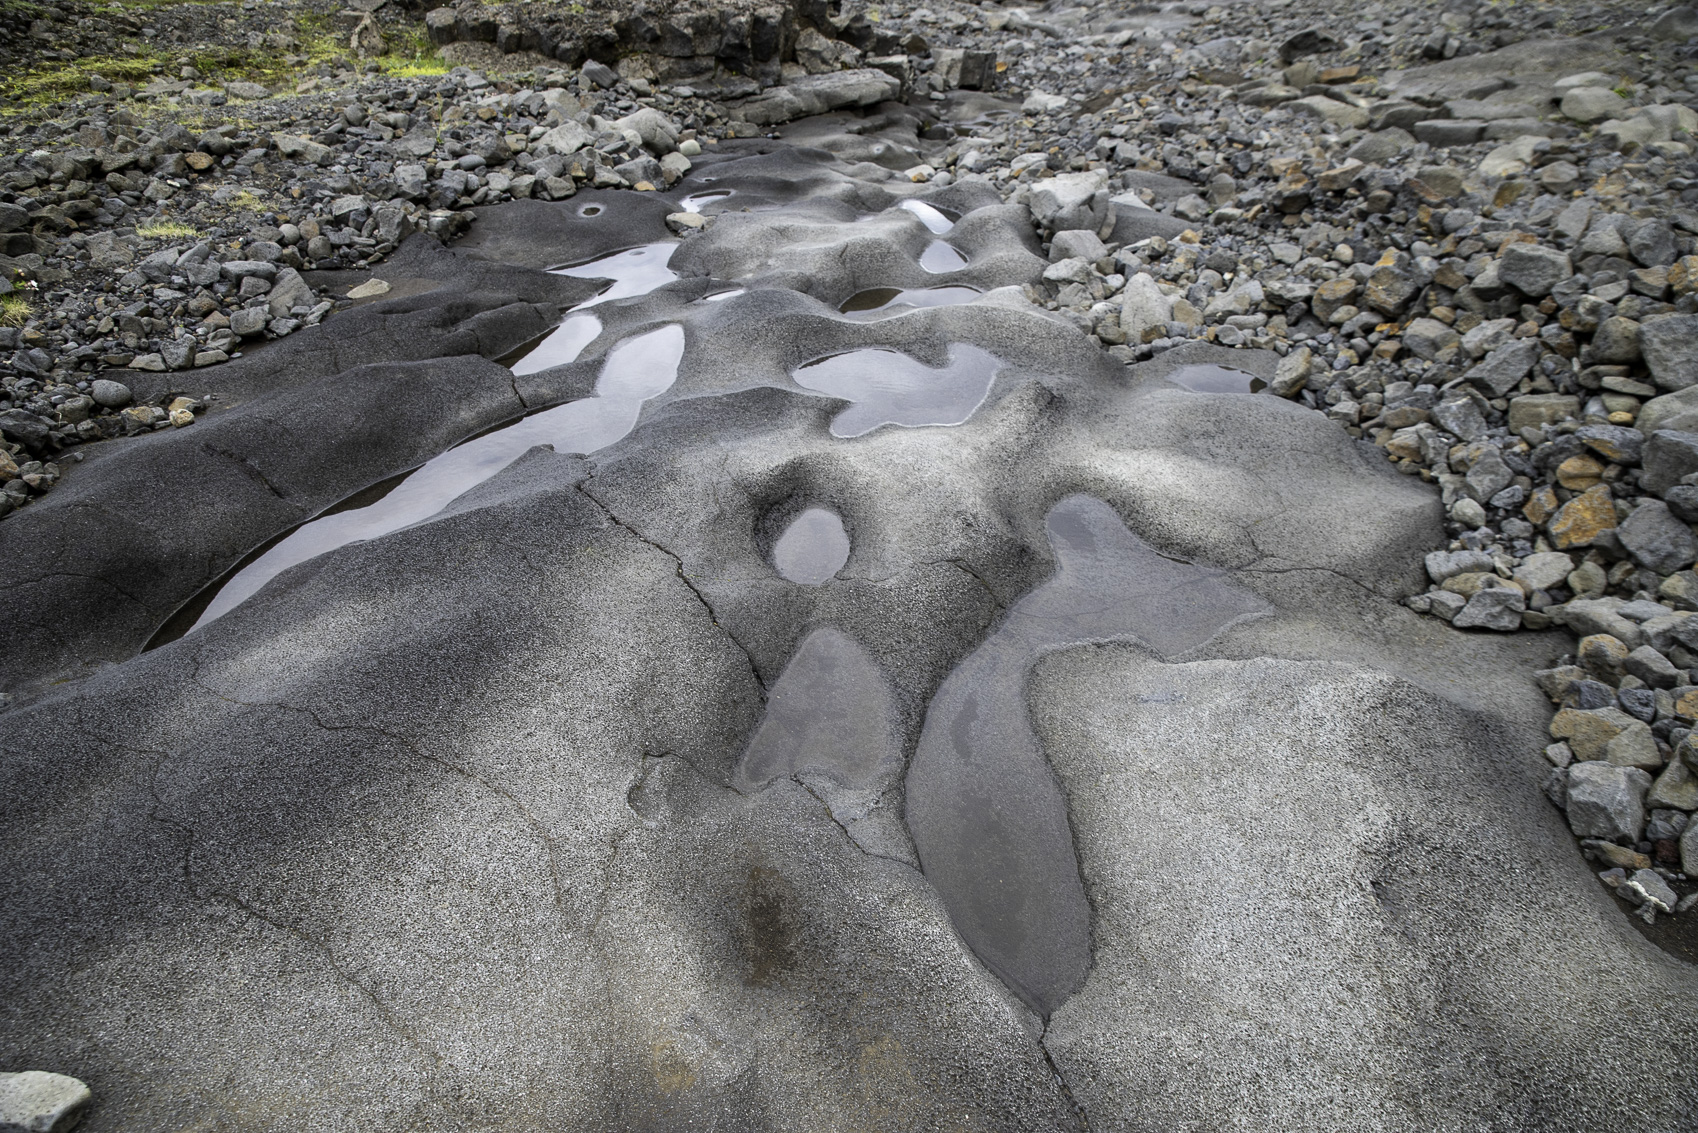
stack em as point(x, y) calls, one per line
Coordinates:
point(988, 815)
point(748, 681)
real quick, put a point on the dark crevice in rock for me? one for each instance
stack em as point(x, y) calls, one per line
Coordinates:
point(1082, 1118)
point(678, 563)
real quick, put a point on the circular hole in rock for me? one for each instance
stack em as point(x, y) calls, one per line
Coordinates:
point(881, 298)
point(695, 201)
point(940, 257)
point(936, 220)
point(590, 210)
point(1216, 379)
point(813, 548)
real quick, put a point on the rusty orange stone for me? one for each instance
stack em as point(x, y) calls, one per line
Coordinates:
point(1583, 518)
point(1686, 704)
point(1578, 473)
point(1541, 505)
point(1683, 275)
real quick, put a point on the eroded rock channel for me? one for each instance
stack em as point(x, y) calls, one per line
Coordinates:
point(755, 653)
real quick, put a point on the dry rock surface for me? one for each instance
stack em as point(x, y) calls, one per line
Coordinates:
point(827, 566)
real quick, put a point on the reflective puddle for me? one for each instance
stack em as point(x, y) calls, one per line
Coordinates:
point(876, 302)
point(986, 813)
point(695, 201)
point(636, 271)
point(887, 387)
point(637, 369)
point(829, 714)
point(813, 548)
point(933, 218)
point(561, 345)
point(1204, 378)
point(940, 257)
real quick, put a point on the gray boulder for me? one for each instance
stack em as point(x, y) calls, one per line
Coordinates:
point(1077, 242)
point(1496, 607)
point(1676, 24)
point(659, 133)
point(1341, 115)
point(1381, 146)
point(157, 267)
point(289, 291)
point(1650, 241)
point(1677, 411)
point(642, 169)
point(35, 1101)
point(1460, 416)
point(1143, 307)
point(1502, 369)
point(303, 149)
point(567, 138)
point(249, 321)
point(1533, 269)
point(1448, 564)
point(1615, 342)
point(239, 270)
point(1544, 570)
point(1656, 539)
point(1593, 104)
point(1588, 616)
point(1488, 476)
point(28, 429)
point(1607, 801)
point(1669, 345)
point(598, 74)
point(1070, 201)
point(1669, 454)
point(1613, 442)
point(817, 94)
point(110, 394)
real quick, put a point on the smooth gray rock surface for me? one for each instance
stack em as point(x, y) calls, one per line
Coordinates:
point(1316, 929)
point(562, 808)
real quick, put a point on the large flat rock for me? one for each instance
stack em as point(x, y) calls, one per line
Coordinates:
point(490, 818)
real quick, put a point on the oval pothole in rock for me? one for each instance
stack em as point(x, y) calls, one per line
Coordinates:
point(889, 388)
point(635, 271)
point(987, 815)
point(559, 346)
point(813, 548)
point(876, 302)
point(934, 218)
point(939, 258)
point(695, 201)
point(1204, 378)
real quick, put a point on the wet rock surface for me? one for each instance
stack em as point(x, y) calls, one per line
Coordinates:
point(777, 568)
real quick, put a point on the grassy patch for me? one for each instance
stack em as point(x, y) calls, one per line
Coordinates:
point(411, 54)
point(38, 86)
point(149, 5)
point(246, 200)
point(32, 87)
point(165, 228)
point(417, 66)
point(15, 310)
